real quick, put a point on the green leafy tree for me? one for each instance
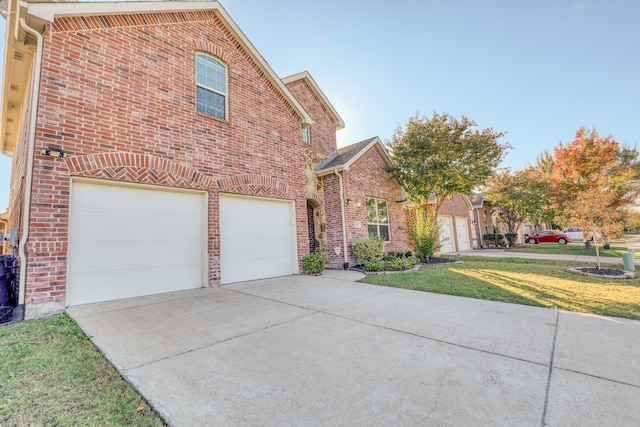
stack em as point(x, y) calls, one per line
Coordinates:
point(438, 157)
point(518, 196)
point(441, 156)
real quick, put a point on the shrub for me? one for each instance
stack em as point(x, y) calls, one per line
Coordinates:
point(373, 266)
point(494, 239)
point(313, 263)
point(408, 254)
point(368, 248)
point(511, 238)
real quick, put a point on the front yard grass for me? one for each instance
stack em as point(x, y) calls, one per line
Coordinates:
point(570, 249)
point(541, 283)
point(51, 374)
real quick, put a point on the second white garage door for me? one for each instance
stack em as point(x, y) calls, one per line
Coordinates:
point(257, 238)
point(462, 229)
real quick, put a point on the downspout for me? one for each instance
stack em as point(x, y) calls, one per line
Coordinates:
point(31, 144)
point(344, 221)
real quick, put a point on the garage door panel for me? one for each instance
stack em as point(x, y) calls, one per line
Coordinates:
point(462, 228)
point(257, 238)
point(131, 241)
point(446, 234)
point(252, 248)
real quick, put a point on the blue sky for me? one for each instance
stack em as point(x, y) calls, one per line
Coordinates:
point(535, 70)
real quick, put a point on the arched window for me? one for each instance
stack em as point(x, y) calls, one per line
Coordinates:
point(211, 87)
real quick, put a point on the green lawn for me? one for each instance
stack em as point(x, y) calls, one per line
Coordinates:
point(570, 249)
point(521, 281)
point(51, 374)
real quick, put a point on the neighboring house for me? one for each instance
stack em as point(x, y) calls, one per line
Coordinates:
point(482, 218)
point(486, 220)
point(456, 232)
point(155, 150)
point(4, 234)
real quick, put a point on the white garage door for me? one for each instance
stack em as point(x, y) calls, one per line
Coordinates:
point(462, 230)
point(257, 238)
point(447, 241)
point(129, 241)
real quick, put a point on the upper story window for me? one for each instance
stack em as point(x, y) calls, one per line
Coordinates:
point(306, 135)
point(378, 217)
point(211, 87)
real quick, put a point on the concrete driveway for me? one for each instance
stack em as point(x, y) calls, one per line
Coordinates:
point(325, 350)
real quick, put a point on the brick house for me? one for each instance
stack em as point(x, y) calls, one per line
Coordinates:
point(155, 150)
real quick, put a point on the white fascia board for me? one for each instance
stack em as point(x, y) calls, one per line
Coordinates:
point(50, 11)
point(381, 149)
point(339, 123)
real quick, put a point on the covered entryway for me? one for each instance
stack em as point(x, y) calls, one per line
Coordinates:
point(134, 240)
point(462, 231)
point(447, 242)
point(257, 238)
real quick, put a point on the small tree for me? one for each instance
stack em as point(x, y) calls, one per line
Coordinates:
point(594, 180)
point(422, 231)
point(591, 211)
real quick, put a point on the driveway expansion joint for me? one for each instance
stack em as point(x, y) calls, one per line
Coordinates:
point(553, 352)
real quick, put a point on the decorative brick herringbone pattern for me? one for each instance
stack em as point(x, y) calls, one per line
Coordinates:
point(257, 185)
point(137, 168)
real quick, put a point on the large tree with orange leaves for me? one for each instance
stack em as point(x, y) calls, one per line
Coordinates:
point(594, 179)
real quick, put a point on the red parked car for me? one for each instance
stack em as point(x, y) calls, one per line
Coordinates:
point(548, 236)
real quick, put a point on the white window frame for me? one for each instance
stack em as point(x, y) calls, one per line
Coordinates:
point(224, 95)
point(378, 224)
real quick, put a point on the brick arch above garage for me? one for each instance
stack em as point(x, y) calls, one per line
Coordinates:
point(139, 168)
point(256, 185)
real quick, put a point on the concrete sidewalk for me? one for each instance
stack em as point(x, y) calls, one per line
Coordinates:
point(315, 351)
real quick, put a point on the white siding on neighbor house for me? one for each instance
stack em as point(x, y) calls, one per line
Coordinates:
point(257, 238)
point(128, 241)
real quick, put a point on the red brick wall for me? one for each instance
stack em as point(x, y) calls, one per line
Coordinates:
point(121, 102)
point(323, 130)
point(365, 178)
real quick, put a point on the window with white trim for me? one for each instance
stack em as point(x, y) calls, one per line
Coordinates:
point(211, 87)
point(378, 217)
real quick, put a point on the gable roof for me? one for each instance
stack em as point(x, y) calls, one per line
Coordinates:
point(346, 156)
point(305, 75)
point(37, 14)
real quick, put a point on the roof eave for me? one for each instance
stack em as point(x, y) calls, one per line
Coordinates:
point(41, 13)
point(337, 120)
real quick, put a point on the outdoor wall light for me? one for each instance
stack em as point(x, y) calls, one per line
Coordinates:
point(54, 153)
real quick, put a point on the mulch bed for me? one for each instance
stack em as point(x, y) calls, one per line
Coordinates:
point(439, 261)
point(602, 271)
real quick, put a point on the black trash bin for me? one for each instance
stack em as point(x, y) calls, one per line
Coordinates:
point(6, 309)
